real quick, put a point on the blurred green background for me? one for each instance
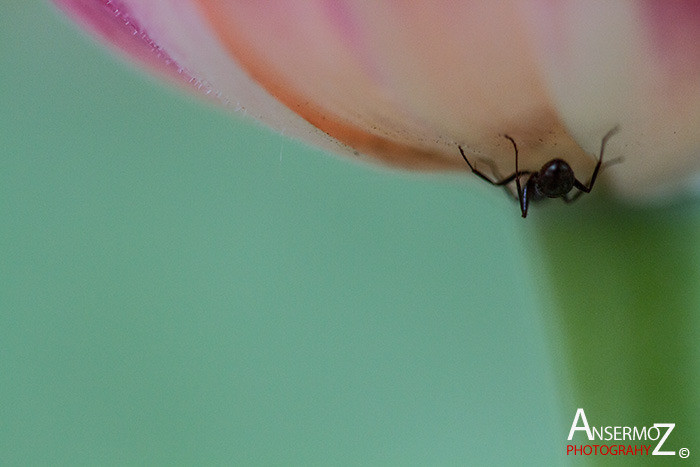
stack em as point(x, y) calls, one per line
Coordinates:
point(178, 285)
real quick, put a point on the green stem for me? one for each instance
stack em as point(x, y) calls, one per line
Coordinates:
point(625, 315)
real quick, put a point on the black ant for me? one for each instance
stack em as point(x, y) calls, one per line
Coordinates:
point(554, 180)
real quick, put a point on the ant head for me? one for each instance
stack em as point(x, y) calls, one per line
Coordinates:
point(555, 179)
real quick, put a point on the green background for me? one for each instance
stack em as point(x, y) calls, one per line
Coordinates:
point(178, 285)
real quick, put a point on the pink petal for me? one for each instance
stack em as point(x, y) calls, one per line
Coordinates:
point(114, 23)
point(172, 39)
point(406, 83)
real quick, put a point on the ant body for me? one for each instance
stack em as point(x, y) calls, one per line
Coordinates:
point(554, 180)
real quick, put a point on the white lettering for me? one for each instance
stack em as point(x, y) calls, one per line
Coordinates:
point(656, 451)
point(597, 432)
point(580, 414)
point(617, 433)
point(640, 434)
point(653, 438)
point(608, 433)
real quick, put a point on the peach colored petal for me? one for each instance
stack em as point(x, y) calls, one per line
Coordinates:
point(609, 63)
point(404, 83)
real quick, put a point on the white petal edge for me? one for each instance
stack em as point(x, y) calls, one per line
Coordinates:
point(179, 28)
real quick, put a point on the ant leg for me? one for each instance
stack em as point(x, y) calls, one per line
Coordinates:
point(581, 186)
point(523, 197)
point(503, 182)
point(483, 176)
point(494, 172)
point(524, 200)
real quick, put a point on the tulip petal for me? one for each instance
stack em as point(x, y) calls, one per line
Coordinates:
point(406, 83)
point(172, 39)
point(633, 64)
point(113, 22)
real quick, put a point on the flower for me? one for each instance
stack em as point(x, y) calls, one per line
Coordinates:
point(407, 82)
